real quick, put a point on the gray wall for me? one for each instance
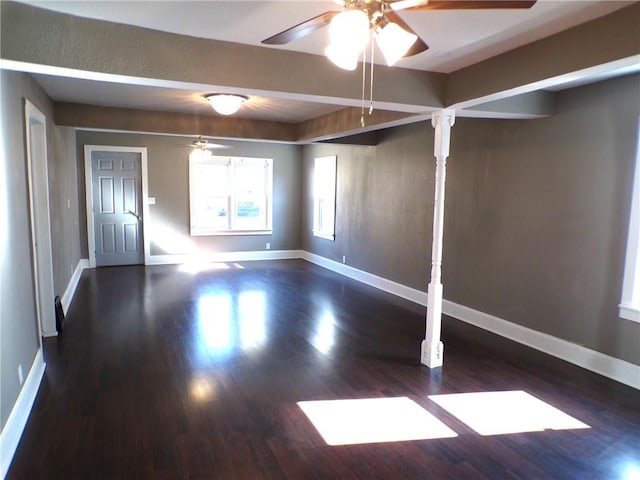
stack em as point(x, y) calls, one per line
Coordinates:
point(535, 220)
point(18, 326)
point(384, 205)
point(65, 206)
point(168, 159)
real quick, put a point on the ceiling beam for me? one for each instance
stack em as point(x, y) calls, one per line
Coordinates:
point(347, 122)
point(91, 117)
point(524, 106)
point(123, 53)
point(568, 55)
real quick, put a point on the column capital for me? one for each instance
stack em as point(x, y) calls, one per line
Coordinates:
point(446, 115)
point(442, 121)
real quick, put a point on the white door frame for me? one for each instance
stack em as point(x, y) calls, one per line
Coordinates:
point(38, 182)
point(88, 174)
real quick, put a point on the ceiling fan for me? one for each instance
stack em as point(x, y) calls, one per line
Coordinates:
point(351, 28)
point(203, 144)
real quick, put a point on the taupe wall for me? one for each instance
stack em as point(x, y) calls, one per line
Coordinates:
point(168, 159)
point(65, 206)
point(384, 204)
point(18, 327)
point(536, 213)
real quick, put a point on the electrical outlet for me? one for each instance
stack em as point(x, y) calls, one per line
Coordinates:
point(68, 203)
point(268, 246)
point(344, 259)
point(20, 374)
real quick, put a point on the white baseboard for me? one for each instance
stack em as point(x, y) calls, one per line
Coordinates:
point(12, 431)
point(389, 286)
point(225, 257)
point(614, 368)
point(67, 296)
point(611, 367)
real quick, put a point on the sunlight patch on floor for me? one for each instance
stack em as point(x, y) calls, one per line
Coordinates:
point(202, 266)
point(373, 420)
point(496, 413)
point(631, 471)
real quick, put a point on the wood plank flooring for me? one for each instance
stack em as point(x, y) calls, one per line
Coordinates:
point(167, 374)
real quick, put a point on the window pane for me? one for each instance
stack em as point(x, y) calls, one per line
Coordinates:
point(216, 179)
point(250, 198)
point(213, 213)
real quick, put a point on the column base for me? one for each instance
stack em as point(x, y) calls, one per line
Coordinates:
point(432, 355)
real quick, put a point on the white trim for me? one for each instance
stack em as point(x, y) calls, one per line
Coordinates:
point(40, 223)
point(222, 233)
point(325, 186)
point(629, 312)
point(611, 367)
point(326, 236)
point(614, 368)
point(12, 431)
point(67, 296)
point(390, 286)
point(225, 257)
point(146, 220)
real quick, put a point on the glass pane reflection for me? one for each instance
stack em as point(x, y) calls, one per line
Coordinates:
point(325, 333)
point(215, 333)
point(227, 322)
point(252, 307)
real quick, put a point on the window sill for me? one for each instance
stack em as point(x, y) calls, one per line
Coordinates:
point(326, 236)
point(630, 312)
point(222, 233)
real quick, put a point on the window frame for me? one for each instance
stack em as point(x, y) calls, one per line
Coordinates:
point(200, 157)
point(328, 197)
point(629, 307)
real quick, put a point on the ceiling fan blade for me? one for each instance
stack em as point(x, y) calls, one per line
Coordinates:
point(418, 46)
point(404, 4)
point(471, 4)
point(300, 30)
point(209, 146)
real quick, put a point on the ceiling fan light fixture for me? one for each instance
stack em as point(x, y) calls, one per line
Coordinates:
point(394, 41)
point(350, 29)
point(345, 58)
point(226, 104)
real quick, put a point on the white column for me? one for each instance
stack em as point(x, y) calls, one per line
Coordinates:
point(432, 351)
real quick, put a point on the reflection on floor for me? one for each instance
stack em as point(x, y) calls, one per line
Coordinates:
point(170, 373)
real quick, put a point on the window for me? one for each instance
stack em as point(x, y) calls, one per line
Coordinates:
point(324, 197)
point(229, 195)
point(630, 303)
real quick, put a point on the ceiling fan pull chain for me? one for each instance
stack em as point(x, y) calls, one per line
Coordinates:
point(364, 82)
point(371, 85)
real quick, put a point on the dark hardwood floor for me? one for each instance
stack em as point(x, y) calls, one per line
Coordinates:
point(166, 374)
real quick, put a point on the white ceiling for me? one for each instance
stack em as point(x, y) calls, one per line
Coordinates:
point(457, 38)
point(108, 94)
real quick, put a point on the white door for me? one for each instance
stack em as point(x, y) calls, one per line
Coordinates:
point(36, 129)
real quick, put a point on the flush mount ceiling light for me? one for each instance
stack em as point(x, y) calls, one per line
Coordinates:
point(225, 103)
